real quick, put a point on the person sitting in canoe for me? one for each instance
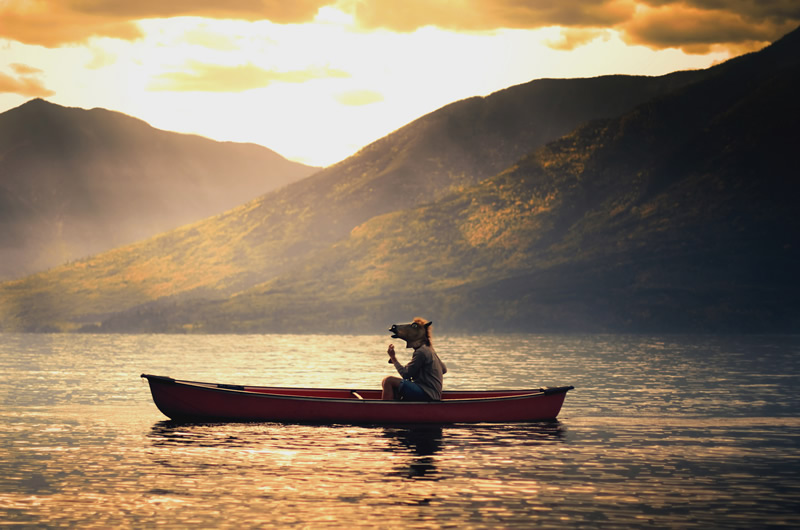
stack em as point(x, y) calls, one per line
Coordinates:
point(422, 377)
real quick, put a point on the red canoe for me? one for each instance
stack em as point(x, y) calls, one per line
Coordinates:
point(194, 401)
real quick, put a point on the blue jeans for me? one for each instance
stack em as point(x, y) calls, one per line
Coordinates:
point(410, 391)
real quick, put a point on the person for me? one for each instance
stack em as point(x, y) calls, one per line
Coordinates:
point(421, 379)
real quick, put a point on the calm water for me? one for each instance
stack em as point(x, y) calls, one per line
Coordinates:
point(675, 431)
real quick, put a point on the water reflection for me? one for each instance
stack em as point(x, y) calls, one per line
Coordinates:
point(419, 440)
point(706, 438)
point(413, 452)
point(171, 433)
point(422, 442)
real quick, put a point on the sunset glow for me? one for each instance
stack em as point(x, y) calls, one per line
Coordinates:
point(316, 80)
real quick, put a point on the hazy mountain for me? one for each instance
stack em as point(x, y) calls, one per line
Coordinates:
point(447, 150)
point(75, 182)
point(671, 216)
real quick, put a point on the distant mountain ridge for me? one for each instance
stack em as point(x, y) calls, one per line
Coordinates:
point(676, 214)
point(75, 182)
point(449, 149)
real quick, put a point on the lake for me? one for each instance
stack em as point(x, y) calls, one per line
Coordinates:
point(660, 431)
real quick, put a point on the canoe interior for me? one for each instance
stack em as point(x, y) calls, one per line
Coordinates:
point(358, 394)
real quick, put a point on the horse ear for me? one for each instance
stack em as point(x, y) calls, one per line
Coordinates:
point(428, 324)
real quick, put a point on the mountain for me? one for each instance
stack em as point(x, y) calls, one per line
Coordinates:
point(76, 182)
point(679, 215)
point(671, 215)
point(446, 151)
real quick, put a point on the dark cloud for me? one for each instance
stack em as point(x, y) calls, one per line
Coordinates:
point(775, 10)
point(692, 25)
point(698, 26)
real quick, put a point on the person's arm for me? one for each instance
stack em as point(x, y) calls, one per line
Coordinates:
point(400, 369)
point(412, 368)
point(393, 359)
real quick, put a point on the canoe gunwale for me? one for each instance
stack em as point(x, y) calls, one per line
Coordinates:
point(514, 394)
point(192, 401)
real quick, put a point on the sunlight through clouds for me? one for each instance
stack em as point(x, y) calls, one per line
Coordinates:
point(316, 80)
point(569, 39)
point(204, 36)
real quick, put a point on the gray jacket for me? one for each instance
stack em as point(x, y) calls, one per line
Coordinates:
point(426, 370)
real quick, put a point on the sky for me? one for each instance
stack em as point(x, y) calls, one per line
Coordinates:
point(317, 80)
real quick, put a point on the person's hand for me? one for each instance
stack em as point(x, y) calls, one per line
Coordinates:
point(390, 351)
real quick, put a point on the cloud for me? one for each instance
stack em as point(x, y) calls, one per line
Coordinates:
point(692, 25)
point(24, 69)
point(53, 23)
point(358, 98)
point(213, 40)
point(278, 11)
point(25, 84)
point(699, 27)
point(202, 77)
point(484, 15)
point(569, 38)
point(749, 9)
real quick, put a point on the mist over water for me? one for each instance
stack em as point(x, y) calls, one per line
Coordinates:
point(670, 431)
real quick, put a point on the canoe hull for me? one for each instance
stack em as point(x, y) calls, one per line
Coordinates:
point(193, 401)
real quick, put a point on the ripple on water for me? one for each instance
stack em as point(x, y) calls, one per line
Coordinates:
point(670, 432)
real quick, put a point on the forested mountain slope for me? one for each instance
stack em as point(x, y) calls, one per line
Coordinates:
point(450, 149)
point(676, 214)
point(679, 215)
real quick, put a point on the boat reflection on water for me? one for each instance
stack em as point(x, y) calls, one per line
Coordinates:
point(416, 452)
point(424, 443)
point(420, 440)
point(421, 443)
point(171, 433)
